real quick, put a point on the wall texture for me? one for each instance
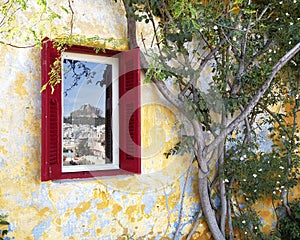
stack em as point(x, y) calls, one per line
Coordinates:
point(144, 206)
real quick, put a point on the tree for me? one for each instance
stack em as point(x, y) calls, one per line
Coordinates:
point(251, 48)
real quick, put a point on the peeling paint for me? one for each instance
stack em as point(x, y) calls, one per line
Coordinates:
point(19, 85)
point(144, 206)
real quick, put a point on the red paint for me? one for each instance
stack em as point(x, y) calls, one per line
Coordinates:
point(51, 167)
point(130, 113)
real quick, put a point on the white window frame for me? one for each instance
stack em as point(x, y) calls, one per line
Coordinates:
point(114, 61)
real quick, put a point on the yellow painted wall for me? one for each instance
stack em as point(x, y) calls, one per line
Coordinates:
point(144, 206)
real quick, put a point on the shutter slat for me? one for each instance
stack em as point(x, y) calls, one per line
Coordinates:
point(51, 118)
point(129, 109)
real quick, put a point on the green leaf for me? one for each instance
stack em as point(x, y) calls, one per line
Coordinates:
point(3, 222)
point(237, 2)
point(44, 87)
point(249, 11)
point(234, 9)
point(63, 8)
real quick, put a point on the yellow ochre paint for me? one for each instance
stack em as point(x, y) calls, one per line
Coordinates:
point(19, 87)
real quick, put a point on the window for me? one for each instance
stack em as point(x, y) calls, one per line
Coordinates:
point(91, 122)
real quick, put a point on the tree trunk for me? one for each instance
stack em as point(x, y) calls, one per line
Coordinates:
point(207, 209)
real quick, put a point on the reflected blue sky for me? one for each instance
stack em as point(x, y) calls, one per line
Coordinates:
point(85, 92)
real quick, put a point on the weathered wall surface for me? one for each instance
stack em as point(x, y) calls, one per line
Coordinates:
point(144, 206)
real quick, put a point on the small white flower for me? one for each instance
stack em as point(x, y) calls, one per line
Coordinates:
point(279, 175)
point(298, 19)
point(260, 169)
point(270, 59)
point(295, 1)
point(283, 137)
point(255, 190)
point(254, 175)
point(258, 36)
point(277, 19)
point(297, 96)
point(291, 23)
point(246, 233)
point(290, 42)
point(274, 51)
point(278, 182)
point(234, 38)
point(255, 227)
point(226, 180)
point(244, 180)
point(270, 50)
point(296, 151)
point(274, 192)
point(201, 29)
point(277, 188)
point(281, 167)
point(282, 187)
point(280, 2)
point(247, 198)
point(216, 27)
point(243, 222)
point(287, 14)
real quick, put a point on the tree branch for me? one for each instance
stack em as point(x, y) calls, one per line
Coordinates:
point(176, 235)
point(131, 26)
point(196, 224)
point(254, 100)
point(72, 17)
point(16, 46)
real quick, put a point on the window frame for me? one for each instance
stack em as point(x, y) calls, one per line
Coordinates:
point(114, 120)
point(129, 80)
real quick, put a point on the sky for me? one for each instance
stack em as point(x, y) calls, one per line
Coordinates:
point(84, 93)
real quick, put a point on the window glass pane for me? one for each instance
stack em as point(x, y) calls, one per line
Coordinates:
point(84, 111)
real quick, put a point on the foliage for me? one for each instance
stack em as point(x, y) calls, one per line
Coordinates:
point(62, 43)
point(288, 226)
point(252, 148)
point(35, 26)
point(5, 223)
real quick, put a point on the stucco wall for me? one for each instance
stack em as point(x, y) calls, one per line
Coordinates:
point(144, 206)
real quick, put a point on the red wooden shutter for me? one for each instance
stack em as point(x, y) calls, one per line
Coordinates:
point(129, 110)
point(51, 118)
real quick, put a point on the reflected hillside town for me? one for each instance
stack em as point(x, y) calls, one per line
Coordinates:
point(84, 137)
point(84, 101)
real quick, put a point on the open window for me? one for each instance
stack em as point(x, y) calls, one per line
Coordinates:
point(91, 122)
